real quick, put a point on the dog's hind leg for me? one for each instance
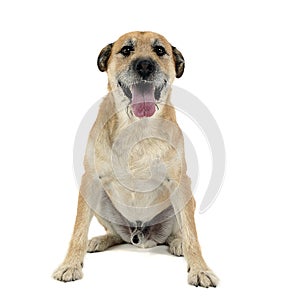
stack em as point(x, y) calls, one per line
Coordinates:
point(102, 242)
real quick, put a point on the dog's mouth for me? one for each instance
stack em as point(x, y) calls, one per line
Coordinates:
point(144, 97)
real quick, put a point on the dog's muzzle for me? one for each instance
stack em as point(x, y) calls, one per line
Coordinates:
point(143, 84)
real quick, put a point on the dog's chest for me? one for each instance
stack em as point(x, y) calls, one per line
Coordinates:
point(136, 170)
point(148, 157)
point(140, 147)
point(138, 185)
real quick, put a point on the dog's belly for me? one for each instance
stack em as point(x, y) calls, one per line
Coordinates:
point(138, 230)
point(137, 205)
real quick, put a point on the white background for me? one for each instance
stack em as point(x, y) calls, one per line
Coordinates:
point(242, 61)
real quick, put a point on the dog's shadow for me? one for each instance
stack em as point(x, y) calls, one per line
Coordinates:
point(157, 250)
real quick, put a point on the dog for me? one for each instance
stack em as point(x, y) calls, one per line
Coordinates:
point(135, 180)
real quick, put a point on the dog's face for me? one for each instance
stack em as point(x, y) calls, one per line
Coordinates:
point(141, 66)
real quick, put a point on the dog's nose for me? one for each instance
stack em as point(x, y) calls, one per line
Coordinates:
point(135, 239)
point(144, 68)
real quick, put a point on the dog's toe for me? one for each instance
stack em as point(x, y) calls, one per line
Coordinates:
point(202, 278)
point(67, 273)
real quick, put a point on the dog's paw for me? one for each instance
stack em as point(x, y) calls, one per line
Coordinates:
point(175, 247)
point(202, 278)
point(67, 273)
point(97, 244)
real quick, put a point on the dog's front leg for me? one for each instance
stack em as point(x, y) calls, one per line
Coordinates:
point(183, 201)
point(71, 268)
point(199, 273)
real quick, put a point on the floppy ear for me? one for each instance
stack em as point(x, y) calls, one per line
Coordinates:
point(179, 62)
point(103, 57)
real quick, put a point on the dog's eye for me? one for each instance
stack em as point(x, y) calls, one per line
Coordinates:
point(159, 50)
point(126, 50)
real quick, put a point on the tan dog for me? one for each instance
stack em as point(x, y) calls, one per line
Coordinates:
point(135, 179)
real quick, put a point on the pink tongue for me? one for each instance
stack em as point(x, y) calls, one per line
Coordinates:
point(143, 101)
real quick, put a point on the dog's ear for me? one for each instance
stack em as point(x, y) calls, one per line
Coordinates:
point(179, 62)
point(103, 57)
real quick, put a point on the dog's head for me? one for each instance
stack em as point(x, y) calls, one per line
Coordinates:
point(141, 66)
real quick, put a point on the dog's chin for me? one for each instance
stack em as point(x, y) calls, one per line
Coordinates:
point(143, 96)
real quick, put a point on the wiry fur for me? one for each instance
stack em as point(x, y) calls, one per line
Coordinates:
point(160, 211)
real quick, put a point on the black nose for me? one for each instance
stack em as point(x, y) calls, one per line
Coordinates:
point(144, 68)
point(135, 239)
